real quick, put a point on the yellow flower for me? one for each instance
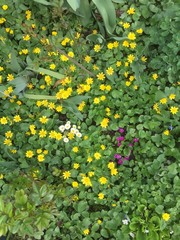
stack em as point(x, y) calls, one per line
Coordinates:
point(115, 44)
point(140, 30)
point(97, 48)
point(99, 221)
point(52, 66)
point(72, 68)
point(86, 231)
point(166, 132)
point(108, 87)
point(111, 165)
point(43, 119)
point(166, 216)
point(71, 54)
point(29, 154)
point(154, 76)
point(131, 58)
point(4, 7)
point(174, 110)
point(9, 134)
point(110, 71)
point(36, 50)
point(26, 37)
point(66, 174)
point(144, 59)
point(86, 181)
point(58, 136)
point(163, 101)
point(100, 196)
point(75, 184)
point(76, 165)
point(131, 11)
point(103, 180)
point(104, 122)
point(125, 44)
point(54, 33)
point(172, 96)
point(103, 147)
point(131, 36)
point(64, 58)
point(75, 149)
point(1, 176)
point(110, 46)
point(40, 158)
point(97, 155)
point(3, 120)
point(128, 83)
point(42, 133)
point(126, 25)
point(116, 116)
point(96, 100)
point(7, 142)
point(100, 76)
point(89, 81)
point(90, 174)
point(118, 63)
point(114, 171)
point(132, 45)
point(89, 159)
point(87, 59)
point(17, 118)
point(10, 77)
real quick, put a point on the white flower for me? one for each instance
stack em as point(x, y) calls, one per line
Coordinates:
point(79, 134)
point(171, 232)
point(65, 139)
point(68, 122)
point(73, 130)
point(67, 126)
point(146, 231)
point(132, 234)
point(74, 126)
point(76, 131)
point(62, 128)
point(125, 221)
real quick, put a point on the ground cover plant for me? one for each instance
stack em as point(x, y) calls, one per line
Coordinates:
point(89, 119)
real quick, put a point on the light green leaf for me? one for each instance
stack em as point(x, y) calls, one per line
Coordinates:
point(20, 84)
point(14, 65)
point(85, 12)
point(47, 72)
point(96, 38)
point(20, 197)
point(75, 4)
point(39, 97)
point(2, 89)
point(44, 2)
point(107, 11)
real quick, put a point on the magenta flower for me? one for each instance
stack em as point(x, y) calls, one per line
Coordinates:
point(120, 138)
point(117, 156)
point(121, 130)
point(136, 140)
point(131, 145)
point(126, 158)
point(119, 144)
point(120, 162)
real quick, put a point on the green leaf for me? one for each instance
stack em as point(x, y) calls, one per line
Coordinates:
point(85, 12)
point(14, 65)
point(153, 235)
point(104, 233)
point(140, 235)
point(2, 89)
point(76, 99)
point(44, 2)
point(20, 197)
point(107, 11)
point(36, 97)
point(96, 38)
point(20, 84)
point(47, 72)
point(82, 206)
point(75, 4)
point(172, 170)
point(42, 222)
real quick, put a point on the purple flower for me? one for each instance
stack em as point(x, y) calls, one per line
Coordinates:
point(136, 140)
point(131, 145)
point(119, 144)
point(117, 156)
point(120, 138)
point(126, 158)
point(120, 162)
point(121, 130)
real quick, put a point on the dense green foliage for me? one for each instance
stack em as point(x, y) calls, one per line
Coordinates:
point(89, 119)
